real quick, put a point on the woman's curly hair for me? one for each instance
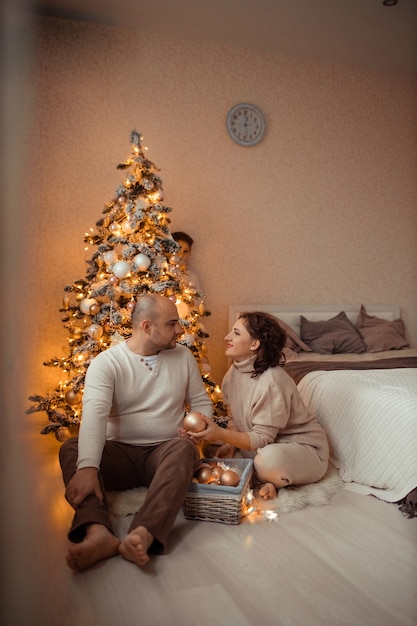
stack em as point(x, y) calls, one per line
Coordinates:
point(271, 336)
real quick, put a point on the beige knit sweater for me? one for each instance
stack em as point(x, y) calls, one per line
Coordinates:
point(125, 401)
point(269, 408)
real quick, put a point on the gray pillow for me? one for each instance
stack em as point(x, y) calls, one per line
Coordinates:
point(293, 340)
point(379, 334)
point(337, 335)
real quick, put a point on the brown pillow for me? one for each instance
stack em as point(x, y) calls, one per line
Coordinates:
point(337, 335)
point(379, 334)
point(293, 340)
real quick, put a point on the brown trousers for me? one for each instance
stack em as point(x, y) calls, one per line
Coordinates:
point(165, 469)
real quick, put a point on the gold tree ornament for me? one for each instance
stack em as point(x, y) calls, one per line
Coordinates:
point(73, 398)
point(134, 253)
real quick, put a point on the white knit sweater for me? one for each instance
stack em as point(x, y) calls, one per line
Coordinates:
point(125, 401)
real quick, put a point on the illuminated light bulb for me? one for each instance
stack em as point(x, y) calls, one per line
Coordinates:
point(158, 195)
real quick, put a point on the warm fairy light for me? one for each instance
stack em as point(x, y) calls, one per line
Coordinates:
point(253, 510)
point(270, 515)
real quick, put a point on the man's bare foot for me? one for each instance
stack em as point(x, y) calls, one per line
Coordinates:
point(136, 544)
point(268, 491)
point(99, 544)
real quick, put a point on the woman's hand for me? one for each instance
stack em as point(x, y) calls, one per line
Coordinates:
point(226, 451)
point(212, 432)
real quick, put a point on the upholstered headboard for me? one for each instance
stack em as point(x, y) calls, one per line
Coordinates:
point(290, 314)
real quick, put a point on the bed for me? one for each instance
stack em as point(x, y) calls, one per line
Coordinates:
point(355, 369)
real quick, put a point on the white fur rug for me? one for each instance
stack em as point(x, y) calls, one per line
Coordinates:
point(289, 499)
point(292, 499)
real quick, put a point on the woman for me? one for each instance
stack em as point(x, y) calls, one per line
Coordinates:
point(268, 419)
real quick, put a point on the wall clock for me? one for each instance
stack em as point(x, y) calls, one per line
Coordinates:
point(245, 124)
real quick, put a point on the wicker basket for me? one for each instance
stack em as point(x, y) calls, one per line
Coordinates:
point(218, 503)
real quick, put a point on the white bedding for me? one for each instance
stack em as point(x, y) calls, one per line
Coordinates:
point(370, 417)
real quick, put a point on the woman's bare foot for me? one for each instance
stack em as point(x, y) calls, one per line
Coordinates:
point(99, 544)
point(136, 544)
point(268, 491)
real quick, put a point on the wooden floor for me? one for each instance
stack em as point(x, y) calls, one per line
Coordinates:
point(353, 562)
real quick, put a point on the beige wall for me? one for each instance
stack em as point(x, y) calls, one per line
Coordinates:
point(322, 211)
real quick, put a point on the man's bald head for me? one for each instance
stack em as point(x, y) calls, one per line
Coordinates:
point(150, 307)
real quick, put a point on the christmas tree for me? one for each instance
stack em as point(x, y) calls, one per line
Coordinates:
point(134, 254)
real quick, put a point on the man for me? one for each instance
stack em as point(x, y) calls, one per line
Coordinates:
point(135, 396)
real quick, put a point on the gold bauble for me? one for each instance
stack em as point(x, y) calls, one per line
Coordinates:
point(217, 473)
point(73, 398)
point(203, 475)
point(194, 422)
point(95, 331)
point(62, 434)
point(229, 478)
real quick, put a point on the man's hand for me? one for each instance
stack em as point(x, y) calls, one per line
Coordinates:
point(185, 435)
point(84, 482)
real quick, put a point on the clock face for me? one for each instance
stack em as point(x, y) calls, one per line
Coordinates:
point(245, 124)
